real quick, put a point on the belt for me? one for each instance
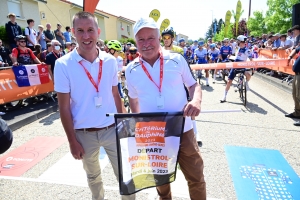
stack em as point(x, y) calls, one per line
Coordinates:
point(96, 129)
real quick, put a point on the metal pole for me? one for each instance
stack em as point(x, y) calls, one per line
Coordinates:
point(249, 9)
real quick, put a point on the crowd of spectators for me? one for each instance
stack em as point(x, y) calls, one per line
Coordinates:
point(34, 46)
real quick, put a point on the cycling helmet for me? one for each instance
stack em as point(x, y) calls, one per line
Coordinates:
point(212, 45)
point(208, 38)
point(241, 38)
point(168, 32)
point(181, 40)
point(201, 43)
point(132, 49)
point(128, 43)
point(225, 40)
point(195, 41)
point(114, 44)
point(20, 37)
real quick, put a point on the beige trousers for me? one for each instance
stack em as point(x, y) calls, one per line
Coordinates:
point(91, 143)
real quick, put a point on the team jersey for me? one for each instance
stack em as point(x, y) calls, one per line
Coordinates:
point(225, 51)
point(201, 54)
point(194, 47)
point(243, 54)
point(177, 49)
point(120, 63)
point(213, 53)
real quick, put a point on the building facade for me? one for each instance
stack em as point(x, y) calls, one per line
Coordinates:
point(23, 9)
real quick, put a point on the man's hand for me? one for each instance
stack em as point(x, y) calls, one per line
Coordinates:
point(76, 150)
point(15, 64)
point(192, 109)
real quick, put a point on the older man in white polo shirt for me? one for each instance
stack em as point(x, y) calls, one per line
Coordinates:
point(156, 82)
point(86, 85)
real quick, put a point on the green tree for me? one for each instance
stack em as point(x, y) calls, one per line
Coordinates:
point(279, 16)
point(256, 24)
point(220, 36)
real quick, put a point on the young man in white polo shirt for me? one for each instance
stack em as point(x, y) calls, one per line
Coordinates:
point(86, 85)
point(156, 82)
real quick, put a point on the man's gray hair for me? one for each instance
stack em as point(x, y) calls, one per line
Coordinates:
point(84, 15)
point(54, 41)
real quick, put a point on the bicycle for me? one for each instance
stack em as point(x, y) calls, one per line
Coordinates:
point(241, 87)
point(125, 92)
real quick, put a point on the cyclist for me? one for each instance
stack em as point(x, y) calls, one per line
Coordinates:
point(200, 55)
point(22, 55)
point(133, 54)
point(168, 38)
point(213, 53)
point(114, 48)
point(243, 54)
point(183, 46)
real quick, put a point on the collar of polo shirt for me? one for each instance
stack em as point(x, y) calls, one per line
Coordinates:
point(78, 58)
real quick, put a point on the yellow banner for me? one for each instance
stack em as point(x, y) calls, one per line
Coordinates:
point(155, 14)
point(164, 25)
point(227, 22)
point(237, 15)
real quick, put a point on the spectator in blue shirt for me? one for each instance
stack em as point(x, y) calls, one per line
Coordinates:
point(277, 41)
point(67, 34)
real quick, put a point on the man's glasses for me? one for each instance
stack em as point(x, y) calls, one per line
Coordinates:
point(166, 37)
point(22, 41)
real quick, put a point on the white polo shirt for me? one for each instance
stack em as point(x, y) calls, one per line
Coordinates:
point(70, 77)
point(177, 73)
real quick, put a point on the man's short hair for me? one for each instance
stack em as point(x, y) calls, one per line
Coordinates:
point(296, 27)
point(54, 41)
point(29, 21)
point(84, 15)
point(283, 35)
point(73, 43)
point(11, 14)
point(68, 28)
point(49, 44)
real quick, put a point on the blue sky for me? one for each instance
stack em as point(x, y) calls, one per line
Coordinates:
point(189, 17)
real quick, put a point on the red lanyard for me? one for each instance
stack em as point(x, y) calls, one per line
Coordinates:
point(90, 76)
point(55, 55)
point(161, 72)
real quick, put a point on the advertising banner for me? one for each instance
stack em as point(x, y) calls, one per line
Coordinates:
point(237, 15)
point(10, 91)
point(164, 25)
point(148, 146)
point(155, 14)
point(273, 64)
point(90, 5)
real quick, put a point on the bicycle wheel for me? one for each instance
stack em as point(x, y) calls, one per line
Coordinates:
point(241, 86)
point(245, 92)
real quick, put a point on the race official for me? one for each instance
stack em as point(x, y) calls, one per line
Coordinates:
point(295, 86)
point(86, 85)
point(156, 82)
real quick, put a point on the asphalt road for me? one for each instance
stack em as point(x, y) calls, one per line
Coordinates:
point(261, 125)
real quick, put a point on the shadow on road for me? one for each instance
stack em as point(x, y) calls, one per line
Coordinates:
point(49, 120)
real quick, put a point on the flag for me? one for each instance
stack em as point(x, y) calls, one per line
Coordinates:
point(148, 146)
point(237, 15)
point(164, 24)
point(30, 75)
point(155, 14)
point(90, 5)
